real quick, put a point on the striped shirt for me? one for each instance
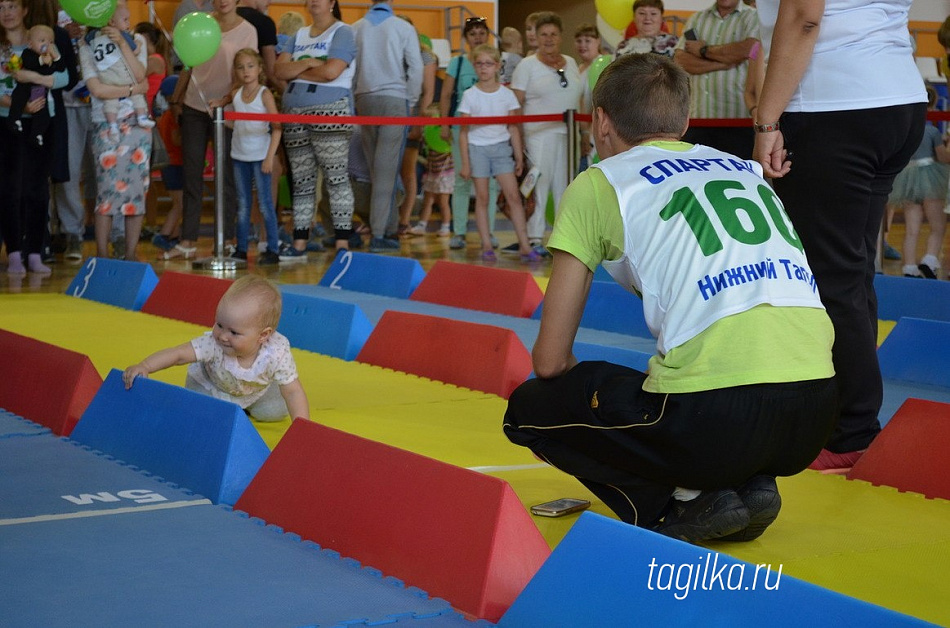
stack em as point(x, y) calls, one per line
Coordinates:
point(719, 94)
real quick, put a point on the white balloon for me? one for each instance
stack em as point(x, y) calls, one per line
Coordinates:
point(608, 33)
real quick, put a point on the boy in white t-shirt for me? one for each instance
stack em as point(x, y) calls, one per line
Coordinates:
point(486, 149)
point(741, 388)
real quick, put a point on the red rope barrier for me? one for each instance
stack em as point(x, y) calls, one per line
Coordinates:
point(395, 120)
point(934, 116)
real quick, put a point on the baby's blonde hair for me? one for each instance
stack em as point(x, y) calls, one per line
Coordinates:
point(42, 28)
point(289, 23)
point(261, 290)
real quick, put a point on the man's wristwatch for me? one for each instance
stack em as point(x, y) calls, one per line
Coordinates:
point(702, 52)
point(765, 128)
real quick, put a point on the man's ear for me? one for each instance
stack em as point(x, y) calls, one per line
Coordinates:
point(600, 123)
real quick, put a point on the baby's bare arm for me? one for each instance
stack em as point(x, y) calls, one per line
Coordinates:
point(173, 356)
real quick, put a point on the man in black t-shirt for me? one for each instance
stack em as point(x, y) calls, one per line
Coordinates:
point(255, 12)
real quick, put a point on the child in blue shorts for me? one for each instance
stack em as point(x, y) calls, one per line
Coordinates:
point(487, 149)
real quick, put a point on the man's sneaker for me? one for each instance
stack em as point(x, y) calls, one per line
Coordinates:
point(383, 245)
point(540, 250)
point(290, 254)
point(494, 241)
point(712, 515)
point(760, 496)
point(239, 255)
point(74, 248)
point(829, 462)
point(513, 249)
point(457, 242)
point(267, 258)
point(315, 246)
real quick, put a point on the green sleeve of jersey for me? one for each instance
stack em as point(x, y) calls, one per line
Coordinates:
point(588, 224)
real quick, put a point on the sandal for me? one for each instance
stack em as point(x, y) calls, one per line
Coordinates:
point(179, 251)
point(489, 256)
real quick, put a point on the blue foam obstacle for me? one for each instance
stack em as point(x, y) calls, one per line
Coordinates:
point(608, 573)
point(611, 308)
point(601, 274)
point(202, 443)
point(377, 274)
point(114, 282)
point(899, 297)
point(323, 326)
point(917, 351)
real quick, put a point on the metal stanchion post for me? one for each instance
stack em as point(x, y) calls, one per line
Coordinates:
point(219, 261)
point(573, 159)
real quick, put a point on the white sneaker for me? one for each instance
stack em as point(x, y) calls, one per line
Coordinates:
point(113, 133)
point(145, 122)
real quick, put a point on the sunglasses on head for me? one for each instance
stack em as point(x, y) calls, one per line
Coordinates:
point(562, 77)
point(472, 22)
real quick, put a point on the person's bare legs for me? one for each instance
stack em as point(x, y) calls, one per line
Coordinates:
point(408, 174)
point(913, 218)
point(103, 228)
point(133, 229)
point(481, 211)
point(509, 187)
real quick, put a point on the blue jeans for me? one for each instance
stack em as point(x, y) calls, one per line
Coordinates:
point(244, 173)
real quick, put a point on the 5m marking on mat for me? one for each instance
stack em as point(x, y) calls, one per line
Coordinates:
point(139, 496)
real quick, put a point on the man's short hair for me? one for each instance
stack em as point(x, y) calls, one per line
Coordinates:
point(644, 95)
point(648, 3)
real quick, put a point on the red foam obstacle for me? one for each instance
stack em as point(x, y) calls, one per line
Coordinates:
point(457, 534)
point(44, 383)
point(509, 292)
point(189, 298)
point(910, 453)
point(480, 357)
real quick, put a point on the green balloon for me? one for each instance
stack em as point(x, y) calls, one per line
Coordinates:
point(596, 67)
point(196, 38)
point(432, 135)
point(95, 13)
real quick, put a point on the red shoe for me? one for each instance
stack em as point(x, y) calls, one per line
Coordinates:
point(831, 462)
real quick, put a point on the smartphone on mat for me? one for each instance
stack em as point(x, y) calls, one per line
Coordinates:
point(560, 507)
point(690, 35)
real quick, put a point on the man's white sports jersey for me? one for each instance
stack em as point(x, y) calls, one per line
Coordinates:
point(705, 237)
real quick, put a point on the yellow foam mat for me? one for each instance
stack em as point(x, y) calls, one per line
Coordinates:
point(872, 543)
